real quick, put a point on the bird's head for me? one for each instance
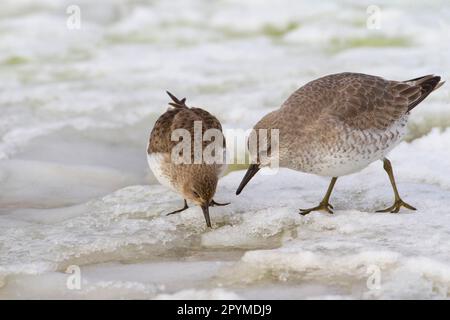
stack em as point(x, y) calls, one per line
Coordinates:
point(263, 146)
point(200, 188)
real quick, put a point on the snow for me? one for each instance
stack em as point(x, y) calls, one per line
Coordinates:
point(270, 241)
point(75, 189)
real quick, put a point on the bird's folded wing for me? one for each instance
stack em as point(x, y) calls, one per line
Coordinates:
point(180, 118)
point(367, 102)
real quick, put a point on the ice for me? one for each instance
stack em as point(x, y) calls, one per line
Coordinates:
point(214, 294)
point(275, 243)
point(77, 107)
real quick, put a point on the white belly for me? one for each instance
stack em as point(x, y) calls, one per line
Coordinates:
point(361, 155)
point(345, 164)
point(155, 162)
point(354, 151)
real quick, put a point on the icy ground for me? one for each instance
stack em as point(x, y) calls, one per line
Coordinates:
point(259, 246)
point(77, 107)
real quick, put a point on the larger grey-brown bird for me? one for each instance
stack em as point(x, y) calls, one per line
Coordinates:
point(196, 182)
point(339, 124)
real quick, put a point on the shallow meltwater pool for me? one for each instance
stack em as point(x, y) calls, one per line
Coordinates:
point(82, 217)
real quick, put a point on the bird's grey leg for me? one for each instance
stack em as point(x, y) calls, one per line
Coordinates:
point(398, 202)
point(179, 210)
point(324, 204)
point(213, 203)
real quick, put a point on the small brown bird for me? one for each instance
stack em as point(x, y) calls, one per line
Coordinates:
point(339, 124)
point(195, 180)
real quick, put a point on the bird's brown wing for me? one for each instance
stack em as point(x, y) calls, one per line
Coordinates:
point(180, 118)
point(208, 122)
point(373, 102)
point(160, 141)
point(367, 102)
point(427, 85)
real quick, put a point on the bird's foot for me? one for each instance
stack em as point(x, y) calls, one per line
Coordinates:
point(323, 206)
point(179, 210)
point(214, 204)
point(395, 208)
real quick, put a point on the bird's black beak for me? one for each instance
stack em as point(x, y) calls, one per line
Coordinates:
point(252, 170)
point(205, 208)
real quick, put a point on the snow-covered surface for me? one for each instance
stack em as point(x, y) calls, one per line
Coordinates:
point(259, 239)
point(78, 105)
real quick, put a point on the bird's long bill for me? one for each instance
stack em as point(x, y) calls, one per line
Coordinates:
point(252, 170)
point(205, 209)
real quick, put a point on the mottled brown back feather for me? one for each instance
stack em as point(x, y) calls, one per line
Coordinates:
point(427, 84)
point(358, 100)
point(179, 118)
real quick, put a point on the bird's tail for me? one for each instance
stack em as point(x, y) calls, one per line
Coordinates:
point(427, 85)
point(176, 102)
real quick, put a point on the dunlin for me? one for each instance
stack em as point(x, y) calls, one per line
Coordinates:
point(339, 124)
point(195, 182)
